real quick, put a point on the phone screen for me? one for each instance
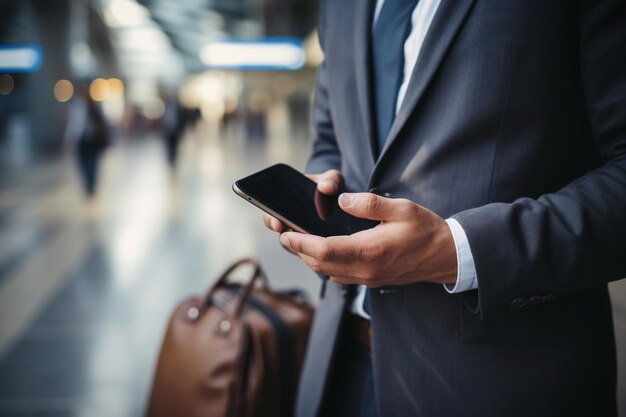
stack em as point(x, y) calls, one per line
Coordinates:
point(295, 198)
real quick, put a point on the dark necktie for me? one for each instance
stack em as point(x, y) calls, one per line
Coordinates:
point(390, 31)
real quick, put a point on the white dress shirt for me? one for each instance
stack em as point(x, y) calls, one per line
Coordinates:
point(421, 19)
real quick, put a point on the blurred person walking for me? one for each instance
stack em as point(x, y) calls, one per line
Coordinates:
point(88, 132)
point(173, 125)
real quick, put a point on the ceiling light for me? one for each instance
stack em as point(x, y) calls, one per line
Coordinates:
point(126, 13)
point(262, 54)
point(20, 58)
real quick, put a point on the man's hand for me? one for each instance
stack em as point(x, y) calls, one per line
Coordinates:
point(329, 183)
point(411, 244)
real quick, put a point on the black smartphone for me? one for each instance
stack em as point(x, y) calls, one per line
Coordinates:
point(291, 197)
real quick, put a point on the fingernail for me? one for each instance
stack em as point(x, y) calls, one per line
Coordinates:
point(285, 241)
point(345, 199)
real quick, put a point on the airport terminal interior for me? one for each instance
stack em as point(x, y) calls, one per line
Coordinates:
point(99, 241)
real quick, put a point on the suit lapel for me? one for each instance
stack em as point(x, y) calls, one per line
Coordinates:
point(363, 71)
point(446, 23)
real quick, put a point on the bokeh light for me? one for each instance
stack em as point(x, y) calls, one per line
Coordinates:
point(63, 91)
point(153, 109)
point(99, 89)
point(116, 89)
point(6, 84)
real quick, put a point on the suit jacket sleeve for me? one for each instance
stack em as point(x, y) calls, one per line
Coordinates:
point(325, 154)
point(575, 238)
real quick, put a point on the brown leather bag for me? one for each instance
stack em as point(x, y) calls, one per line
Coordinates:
point(237, 351)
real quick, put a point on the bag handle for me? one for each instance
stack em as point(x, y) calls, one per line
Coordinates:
point(222, 281)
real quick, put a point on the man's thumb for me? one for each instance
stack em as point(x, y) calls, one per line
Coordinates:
point(367, 206)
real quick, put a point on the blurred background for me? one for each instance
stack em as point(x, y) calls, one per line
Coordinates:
point(123, 124)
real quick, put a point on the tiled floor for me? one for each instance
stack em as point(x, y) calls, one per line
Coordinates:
point(85, 290)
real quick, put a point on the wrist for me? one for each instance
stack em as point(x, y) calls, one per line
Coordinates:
point(446, 255)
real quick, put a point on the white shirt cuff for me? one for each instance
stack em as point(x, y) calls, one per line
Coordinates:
point(466, 275)
point(358, 304)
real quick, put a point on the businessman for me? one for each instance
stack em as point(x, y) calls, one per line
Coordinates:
point(489, 140)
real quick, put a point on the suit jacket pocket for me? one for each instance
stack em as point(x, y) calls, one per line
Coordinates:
point(574, 318)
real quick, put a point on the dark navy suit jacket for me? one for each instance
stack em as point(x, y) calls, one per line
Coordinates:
point(514, 123)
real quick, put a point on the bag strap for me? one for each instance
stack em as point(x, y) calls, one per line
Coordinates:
point(222, 281)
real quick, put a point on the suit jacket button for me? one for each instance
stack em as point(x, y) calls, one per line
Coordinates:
point(535, 299)
point(548, 297)
point(519, 302)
